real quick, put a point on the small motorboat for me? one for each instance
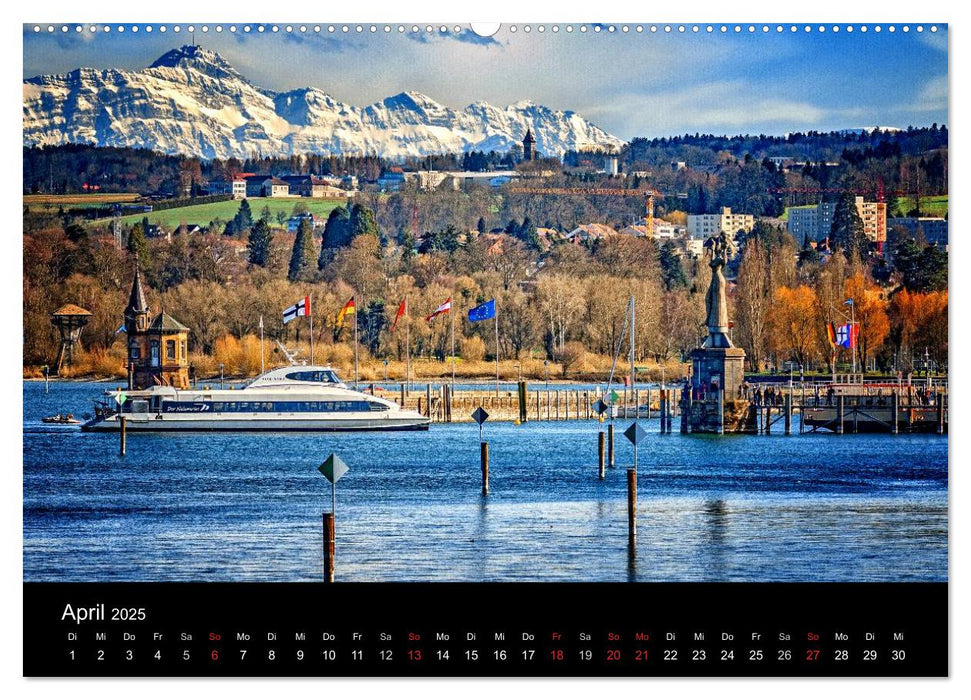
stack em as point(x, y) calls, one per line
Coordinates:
point(62, 419)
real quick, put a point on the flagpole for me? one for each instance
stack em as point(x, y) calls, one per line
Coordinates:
point(355, 346)
point(407, 350)
point(496, 317)
point(852, 333)
point(310, 313)
point(453, 345)
point(262, 355)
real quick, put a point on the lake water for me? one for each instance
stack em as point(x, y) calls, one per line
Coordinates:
point(247, 507)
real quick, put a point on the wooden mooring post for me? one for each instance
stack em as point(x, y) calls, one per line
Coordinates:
point(840, 413)
point(788, 416)
point(484, 459)
point(329, 547)
point(894, 413)
point(721, 411)
point(122, 436)
point(667, 410)
point(610, 444)
point(600, 454)
point(940, 414)
point(632, 506)
point(663, 413)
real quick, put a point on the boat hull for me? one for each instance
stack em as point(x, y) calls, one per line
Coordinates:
point(257, 424)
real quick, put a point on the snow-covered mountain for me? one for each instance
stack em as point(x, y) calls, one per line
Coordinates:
point(191, 101)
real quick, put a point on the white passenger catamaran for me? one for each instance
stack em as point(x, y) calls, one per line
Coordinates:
point(294, 398)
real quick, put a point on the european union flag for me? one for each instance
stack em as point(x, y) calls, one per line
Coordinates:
point(483, 312)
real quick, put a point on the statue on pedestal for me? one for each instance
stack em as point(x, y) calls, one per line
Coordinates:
point(716, 301)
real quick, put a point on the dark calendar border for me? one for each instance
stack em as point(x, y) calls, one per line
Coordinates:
point(497, 629)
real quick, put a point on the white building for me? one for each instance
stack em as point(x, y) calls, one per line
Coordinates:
point(706, 225)
point(235, 187)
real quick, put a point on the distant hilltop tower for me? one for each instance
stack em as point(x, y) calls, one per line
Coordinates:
point(157, 347)
point(529, 146)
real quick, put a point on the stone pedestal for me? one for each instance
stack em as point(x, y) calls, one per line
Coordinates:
point(717, 370)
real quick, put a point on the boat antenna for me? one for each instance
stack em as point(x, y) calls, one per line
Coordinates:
point(286, 353)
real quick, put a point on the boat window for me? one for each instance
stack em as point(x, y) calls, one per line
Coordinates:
point(375, 406)
point(318, 376)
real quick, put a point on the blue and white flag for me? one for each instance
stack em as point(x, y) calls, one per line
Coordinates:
point(483, 312)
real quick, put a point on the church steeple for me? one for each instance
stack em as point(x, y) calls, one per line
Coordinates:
point(136, 313)
point(529, 147)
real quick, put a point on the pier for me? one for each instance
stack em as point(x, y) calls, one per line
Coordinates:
point(770, 408)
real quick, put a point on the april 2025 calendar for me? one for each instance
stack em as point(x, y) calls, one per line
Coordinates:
point(550, 349)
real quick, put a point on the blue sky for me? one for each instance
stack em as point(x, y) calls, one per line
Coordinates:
point(634, 84)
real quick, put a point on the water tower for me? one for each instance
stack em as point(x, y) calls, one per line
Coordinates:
point(69, 320)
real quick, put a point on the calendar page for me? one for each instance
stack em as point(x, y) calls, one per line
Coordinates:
point(435, 349)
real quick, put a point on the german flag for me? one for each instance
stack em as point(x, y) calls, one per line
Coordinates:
point(347, 310)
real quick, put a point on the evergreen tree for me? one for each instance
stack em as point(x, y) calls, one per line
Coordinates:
point(265, 213)
point(337, 231)
point(303, 254)
point(363, 221)
point(244, 217)
point(137, 245)
point(480, 225)
point(846, 233)
point(529, 235)
point(260, 238)
point(671, 270)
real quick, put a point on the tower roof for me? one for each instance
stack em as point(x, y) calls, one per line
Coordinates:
point(528, 136)
point(136, 300)
point(71, 310)
point(164, 322)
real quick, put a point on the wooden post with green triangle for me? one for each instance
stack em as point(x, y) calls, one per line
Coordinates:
point(333, 468)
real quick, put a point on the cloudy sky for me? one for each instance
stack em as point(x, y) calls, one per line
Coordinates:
point(634, 84)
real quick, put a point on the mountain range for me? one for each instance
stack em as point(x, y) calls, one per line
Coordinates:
point(191, 101)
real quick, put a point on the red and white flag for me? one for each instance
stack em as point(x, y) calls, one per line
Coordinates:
point(402, 310)
point(443, 309)
point(301, 308)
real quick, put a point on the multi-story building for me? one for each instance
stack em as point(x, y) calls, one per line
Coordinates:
point(266, 186)
point(706, 225)
point(235, 187)
point(817, 220)
point(933, 228)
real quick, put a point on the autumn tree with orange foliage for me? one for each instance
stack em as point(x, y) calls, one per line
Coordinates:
point(870, 314)
point(794, 323)
point(920, 321)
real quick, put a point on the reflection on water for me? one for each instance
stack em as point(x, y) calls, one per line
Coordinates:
point(247, 507)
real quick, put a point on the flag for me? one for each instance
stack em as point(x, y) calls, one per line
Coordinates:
point(443, 309)
point(483, 312)
point(831, 334)
point(301, 308)
point(402, 310)
point(848, 302)
point(346, 311)
point(846, 335)
point(120, 329)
